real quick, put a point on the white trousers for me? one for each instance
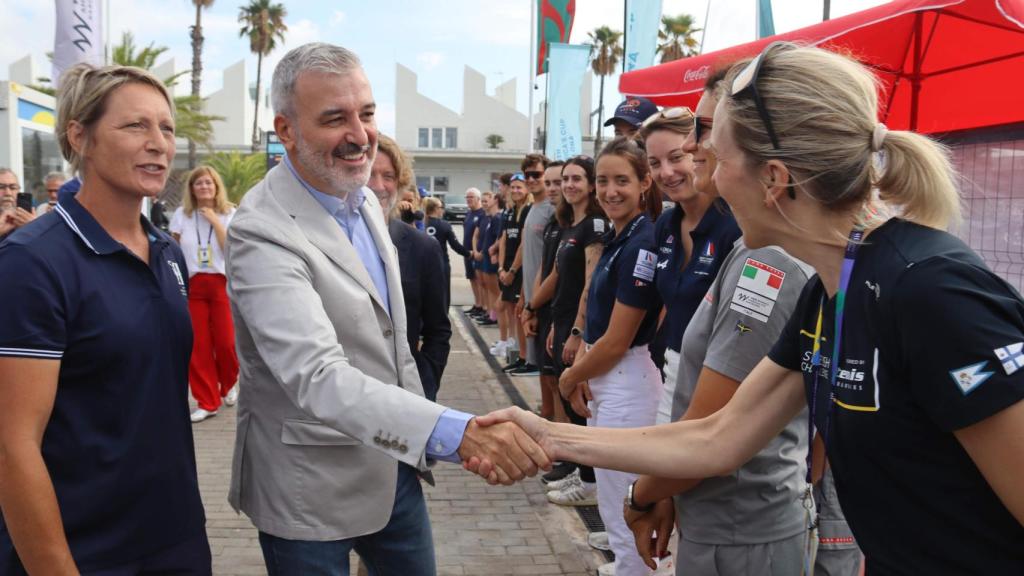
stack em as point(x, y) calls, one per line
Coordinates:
point(626, 397)
point(669, 391)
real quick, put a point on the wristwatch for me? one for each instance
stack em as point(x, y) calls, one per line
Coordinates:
point(575, 331)
point(632, 503)
point(528, 308)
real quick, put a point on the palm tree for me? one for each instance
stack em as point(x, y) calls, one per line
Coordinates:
point(197, 67)
point(190, 123)
point(676, 35)
point(605, 53)
point(239, 173)
point(263, 23)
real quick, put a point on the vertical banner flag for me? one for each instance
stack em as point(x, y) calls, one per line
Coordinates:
point(568, 66)
point(765, 22)
point(643, 18)
point(553, 25)
point(79, 36)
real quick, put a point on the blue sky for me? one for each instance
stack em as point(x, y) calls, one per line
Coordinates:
point(433, 38)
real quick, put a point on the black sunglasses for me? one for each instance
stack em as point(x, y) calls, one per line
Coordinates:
point(746, 81)
point(533, 175)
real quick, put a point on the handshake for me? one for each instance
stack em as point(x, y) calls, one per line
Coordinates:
point(507, 445)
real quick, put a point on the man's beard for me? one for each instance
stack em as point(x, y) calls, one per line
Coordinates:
point(341, 179)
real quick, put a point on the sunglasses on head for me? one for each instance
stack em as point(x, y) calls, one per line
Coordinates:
point(533, 174)
point(668, 114)
point(517, 177)
point(746, 82)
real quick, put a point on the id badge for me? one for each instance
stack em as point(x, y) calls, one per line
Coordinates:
point(204, 257)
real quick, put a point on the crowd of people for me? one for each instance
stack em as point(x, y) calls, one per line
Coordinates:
point(680, 298)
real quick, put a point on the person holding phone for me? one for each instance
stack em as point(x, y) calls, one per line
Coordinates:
point(15, 206)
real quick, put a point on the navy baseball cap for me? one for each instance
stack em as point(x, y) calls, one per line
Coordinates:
point(633, 110)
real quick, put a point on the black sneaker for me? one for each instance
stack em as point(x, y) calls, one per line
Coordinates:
point(485, 321)
point(526, 369)
point(519, 363)
point(558, 471)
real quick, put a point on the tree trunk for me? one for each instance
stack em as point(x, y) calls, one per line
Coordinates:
point(197, 73)
point(256, 111)
point(600, 119)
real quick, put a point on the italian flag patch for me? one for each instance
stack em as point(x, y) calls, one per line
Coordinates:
point(757, 290)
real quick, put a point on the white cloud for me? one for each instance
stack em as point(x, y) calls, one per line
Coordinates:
point(430, 60)
point(337, 18)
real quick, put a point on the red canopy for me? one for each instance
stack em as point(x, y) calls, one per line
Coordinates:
point(945, 65)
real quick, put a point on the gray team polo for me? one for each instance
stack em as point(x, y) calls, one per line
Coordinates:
point(734, 327)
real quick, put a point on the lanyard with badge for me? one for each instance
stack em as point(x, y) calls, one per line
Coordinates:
point(856, 235)
point(204, 254)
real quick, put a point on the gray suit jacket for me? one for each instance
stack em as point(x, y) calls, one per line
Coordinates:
point(331, 397)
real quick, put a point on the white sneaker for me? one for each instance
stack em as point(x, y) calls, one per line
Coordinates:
point(511, 344)
point(599, 541)
point(232, 398)
point(199, 415)
point(579, 494)
point(499, 348)
point(606, 569)
point(572, 478)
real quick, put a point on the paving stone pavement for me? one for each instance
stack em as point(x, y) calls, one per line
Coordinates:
point(478, 529)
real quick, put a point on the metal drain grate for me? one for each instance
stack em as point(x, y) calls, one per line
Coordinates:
point(592, 520)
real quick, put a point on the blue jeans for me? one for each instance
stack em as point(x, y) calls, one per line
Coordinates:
point(405, 547)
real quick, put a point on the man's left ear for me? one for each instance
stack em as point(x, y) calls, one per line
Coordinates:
point(776, 179)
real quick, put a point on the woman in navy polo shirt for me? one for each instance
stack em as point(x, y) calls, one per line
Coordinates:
point(616, 371)
point(98, 471)
point(693, 237)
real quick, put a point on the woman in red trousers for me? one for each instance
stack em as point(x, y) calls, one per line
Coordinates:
point(200, 225)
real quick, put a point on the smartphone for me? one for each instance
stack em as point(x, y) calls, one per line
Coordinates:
point(24, 201)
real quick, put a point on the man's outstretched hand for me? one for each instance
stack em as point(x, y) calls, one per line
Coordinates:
point(501, 452)
point(526, 424)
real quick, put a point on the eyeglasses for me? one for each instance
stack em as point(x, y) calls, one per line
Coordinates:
point(11, 187)
point(701, 128)
point(533, 175)
point(518, 177)
point(668, 114)
point(746, 81)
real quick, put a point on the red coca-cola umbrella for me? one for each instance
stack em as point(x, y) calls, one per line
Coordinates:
point(944, 65)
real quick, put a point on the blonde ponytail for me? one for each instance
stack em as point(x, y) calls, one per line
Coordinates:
point(918, 179)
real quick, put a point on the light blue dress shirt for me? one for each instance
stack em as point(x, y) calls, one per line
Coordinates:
point(451, 426)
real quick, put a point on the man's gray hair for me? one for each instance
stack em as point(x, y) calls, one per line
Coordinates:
point(6, 170)
point(474, 191)
point(55, 176)
point(312, 57)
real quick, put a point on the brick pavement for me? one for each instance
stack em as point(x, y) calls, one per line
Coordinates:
point(478, 529)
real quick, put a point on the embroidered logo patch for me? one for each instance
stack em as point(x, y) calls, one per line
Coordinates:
point(646, 262)
point(970, 377)
point(1011, 357)
point(598, 225)
point(757, 290)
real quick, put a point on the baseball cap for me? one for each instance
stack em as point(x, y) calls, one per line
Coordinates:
point(422, 192)
point(634, 110)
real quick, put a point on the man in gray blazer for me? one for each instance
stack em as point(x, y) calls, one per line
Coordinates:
point(333, 429)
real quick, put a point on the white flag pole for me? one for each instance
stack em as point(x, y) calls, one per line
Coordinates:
point(530, 77)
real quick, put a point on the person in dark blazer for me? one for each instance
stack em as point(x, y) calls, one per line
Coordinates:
point(421, 266)
point(442, 231)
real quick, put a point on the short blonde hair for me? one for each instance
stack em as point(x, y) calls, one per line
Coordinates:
point(401, 162)
point(824, 108)
point(82, 98)
point(221, 203)
point(431, 204)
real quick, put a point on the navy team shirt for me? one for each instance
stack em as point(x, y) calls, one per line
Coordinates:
point(625, 273)
point(118, 444)
point(682, 285)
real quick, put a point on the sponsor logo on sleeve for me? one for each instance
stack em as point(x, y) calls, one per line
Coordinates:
point(178, 277)
point(970, 377)
point(1011, 357)
point(646, 262)
point(757, 290)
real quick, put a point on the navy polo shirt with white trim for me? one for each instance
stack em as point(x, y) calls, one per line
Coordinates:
point(625, 273)
point(118, 445)
point(682, 285)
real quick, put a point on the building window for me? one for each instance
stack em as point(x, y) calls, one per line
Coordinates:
point(424, 138)
point(423, 182)
point(451, 137)
point(440, 184)
point(40, 156)
point(435, 140)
